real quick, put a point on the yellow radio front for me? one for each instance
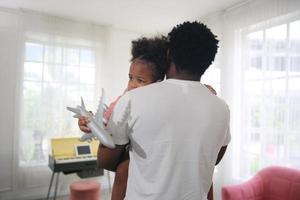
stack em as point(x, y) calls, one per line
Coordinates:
point(66, 147)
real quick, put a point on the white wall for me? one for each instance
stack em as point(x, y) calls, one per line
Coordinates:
point(116, 61)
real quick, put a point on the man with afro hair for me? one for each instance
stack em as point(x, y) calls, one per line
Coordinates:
point(178, 130)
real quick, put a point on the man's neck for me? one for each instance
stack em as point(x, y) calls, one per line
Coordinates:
point(173, 73)
point(186, 77)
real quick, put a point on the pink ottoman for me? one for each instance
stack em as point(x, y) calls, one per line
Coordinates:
point(85, 190)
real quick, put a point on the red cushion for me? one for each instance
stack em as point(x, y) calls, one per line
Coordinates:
point(85, 190)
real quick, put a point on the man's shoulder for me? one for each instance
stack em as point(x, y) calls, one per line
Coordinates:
point(146, 89)
point(220, 106)
point(222, 102)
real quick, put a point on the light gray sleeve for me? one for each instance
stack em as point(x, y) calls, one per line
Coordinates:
point(227, 137)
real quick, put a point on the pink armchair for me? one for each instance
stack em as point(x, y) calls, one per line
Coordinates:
point(271, 183)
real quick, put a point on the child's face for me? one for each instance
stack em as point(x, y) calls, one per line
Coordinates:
point(140, 74)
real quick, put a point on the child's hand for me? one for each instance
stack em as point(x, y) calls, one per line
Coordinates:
point(82, 123)
point(211, 89)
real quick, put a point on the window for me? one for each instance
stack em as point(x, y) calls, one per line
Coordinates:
point(54, 77)
point(270, 99)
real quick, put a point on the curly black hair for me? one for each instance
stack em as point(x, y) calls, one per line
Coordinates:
point(152, 51)
point(192, 47)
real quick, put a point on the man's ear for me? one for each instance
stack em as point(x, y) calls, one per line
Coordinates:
point(171, 71)
point(168, 58)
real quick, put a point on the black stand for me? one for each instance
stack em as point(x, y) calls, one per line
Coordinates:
point(56, 185)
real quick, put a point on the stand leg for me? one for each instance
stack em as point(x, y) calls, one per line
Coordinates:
point(51, 181)
point(108, 179)
point(56, 184)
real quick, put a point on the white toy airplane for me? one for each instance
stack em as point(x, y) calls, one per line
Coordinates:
point(95, 124)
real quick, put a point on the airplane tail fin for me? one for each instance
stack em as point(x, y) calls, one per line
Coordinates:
point(82, 103)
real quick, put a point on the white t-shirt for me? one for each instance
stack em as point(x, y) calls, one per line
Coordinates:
point(176, 129)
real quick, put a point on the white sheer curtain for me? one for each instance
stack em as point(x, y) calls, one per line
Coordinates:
point(46, 64)
point(259, 62)
point(60, 62)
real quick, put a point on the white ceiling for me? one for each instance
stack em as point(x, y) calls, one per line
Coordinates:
point(136, 15)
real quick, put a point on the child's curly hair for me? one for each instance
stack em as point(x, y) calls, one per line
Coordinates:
point(152, 51)
point(192, 47)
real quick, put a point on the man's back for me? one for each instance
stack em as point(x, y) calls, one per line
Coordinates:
point(180, 127)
